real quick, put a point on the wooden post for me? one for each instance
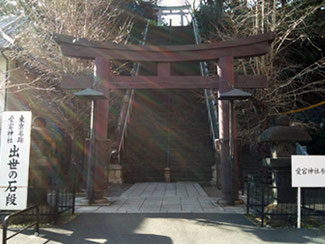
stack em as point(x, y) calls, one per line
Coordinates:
point(226, 80)
point(101, 73)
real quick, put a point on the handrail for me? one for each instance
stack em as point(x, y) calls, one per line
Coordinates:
point(7, 219)
point(124, 117)
point(210, 99)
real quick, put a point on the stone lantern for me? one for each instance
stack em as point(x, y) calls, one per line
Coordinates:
point(282, 139)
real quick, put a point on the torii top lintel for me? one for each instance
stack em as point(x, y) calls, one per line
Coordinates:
point(240, 48)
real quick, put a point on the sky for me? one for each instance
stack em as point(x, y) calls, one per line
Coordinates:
point(171, 3)
point(174, 2)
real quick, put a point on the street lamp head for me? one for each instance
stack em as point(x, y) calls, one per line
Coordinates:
point(234, 94)
point(90, 94)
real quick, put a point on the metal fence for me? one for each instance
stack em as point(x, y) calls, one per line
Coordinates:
point(53, 200)
point(272, 200)
point(10, 217)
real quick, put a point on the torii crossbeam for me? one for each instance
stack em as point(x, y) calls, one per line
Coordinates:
point(163, 55)
point(103, 52)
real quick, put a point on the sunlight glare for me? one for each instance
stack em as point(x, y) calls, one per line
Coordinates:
point(96, 240)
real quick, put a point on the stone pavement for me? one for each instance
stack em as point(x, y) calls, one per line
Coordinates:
point(155, 197)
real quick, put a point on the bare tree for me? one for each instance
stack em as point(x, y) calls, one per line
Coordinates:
point(294, 81)
point(35, 49)
point(102, 20)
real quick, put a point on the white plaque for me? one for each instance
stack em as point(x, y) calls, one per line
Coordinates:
point(14, 156)
point(308, 171)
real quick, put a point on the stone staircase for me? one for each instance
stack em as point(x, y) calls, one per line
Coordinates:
point(169, 127)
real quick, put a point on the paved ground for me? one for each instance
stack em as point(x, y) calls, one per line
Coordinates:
point(167, 229)
point(181, 197)
point(195, 218)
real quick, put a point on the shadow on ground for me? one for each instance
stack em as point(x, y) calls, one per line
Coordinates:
point(172, 228)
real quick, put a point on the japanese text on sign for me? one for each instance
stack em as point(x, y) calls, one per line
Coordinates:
point(14, 164)
point(308, 171)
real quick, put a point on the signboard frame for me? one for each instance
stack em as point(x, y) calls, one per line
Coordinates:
point(306, 171)
point(14, 159)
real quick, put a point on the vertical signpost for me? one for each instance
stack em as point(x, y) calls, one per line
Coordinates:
point(306, 171)
point(14, 159)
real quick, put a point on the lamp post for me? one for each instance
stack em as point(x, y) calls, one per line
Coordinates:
point(231, 96)
point(92, 95)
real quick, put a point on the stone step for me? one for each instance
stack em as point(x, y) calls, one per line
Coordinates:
point(168, 124)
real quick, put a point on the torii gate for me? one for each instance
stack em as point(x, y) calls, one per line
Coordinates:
point(103, 52)
point(182, 11)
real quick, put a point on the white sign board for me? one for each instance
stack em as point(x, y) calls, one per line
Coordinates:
point(14, 156)
point(308, 171)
